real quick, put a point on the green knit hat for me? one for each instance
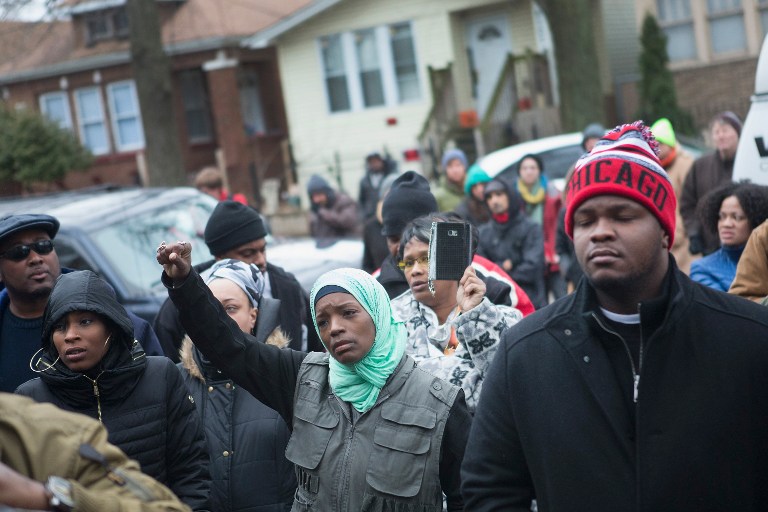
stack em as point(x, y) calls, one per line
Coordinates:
point(664, 133)
point(475, 175)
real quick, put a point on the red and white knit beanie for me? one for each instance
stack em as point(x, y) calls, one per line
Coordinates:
point(624, 163)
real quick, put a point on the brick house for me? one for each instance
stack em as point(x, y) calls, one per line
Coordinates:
point(228, 99)
point(713, 48)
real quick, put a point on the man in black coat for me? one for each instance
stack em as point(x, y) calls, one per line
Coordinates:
point(512, 241)
point(641, 391)
point(237, 231)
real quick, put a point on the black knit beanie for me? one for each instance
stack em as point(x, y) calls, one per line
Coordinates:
point(231, 225)
point(408, 198)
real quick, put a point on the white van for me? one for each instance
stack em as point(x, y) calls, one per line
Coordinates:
point(752, 155)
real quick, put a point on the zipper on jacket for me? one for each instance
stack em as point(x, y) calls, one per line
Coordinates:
point(96, 394)
point(344, 482)
point(635, 372)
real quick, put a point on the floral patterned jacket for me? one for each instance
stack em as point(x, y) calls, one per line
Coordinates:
point(477, 330)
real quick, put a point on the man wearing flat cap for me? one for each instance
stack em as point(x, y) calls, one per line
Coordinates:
point(237, 231)
point(29, 266)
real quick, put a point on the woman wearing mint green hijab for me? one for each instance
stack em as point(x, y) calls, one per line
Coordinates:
point(370, 430)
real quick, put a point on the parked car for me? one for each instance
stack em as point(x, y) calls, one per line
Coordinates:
point(558, 153)
point(114, 231)
point(308, 260)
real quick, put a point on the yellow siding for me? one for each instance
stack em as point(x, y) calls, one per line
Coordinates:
point(438, 35)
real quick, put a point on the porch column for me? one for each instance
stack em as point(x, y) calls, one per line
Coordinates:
point(224, 97)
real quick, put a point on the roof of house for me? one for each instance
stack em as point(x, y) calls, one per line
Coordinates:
point(265, 36)
point(35, 49)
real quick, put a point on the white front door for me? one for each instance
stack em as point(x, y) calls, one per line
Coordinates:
point(489, 42)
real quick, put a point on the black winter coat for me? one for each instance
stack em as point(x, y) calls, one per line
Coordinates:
point(522, 241)
point(552, 423)
point(246, 439)
point(140, 399)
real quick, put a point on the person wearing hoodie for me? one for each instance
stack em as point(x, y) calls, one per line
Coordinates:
point(377, 169)
point(450, 191)
point(473, 208)
point(513, 241)
point(90, 363)
point(246, 439)
point(29, 265)
point(333, 214)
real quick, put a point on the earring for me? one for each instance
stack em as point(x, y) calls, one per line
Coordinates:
point(40, 361)
point(107, 340)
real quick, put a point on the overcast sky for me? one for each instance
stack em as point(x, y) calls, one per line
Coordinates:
point(34, 11)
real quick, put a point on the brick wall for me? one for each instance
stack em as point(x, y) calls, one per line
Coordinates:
point(705, 91)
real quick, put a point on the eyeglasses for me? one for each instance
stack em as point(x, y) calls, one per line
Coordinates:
point(20, 252)
point(408, 264)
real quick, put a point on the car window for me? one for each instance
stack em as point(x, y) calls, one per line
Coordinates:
point(130, 244)
point(558, 161)
point(70, 256)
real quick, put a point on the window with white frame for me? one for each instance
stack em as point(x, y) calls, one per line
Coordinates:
point(371, 67)
point(404, 57)
point(676, 20)
point(251, 105)
point(194, 96)
point(335, 73)
point(55, 106)
point(106, 24)
point(726, 26)
point(124, 113)
point(91, 121)
point(762, 6)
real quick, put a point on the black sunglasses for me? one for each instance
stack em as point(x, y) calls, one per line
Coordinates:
point(20, 252)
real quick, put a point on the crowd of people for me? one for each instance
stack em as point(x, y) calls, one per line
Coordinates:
point(603, 349)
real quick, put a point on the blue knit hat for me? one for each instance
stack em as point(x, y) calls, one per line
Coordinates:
point(454, 154)
point(475, 175)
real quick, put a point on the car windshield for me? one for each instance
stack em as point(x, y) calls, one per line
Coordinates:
point(131, 244)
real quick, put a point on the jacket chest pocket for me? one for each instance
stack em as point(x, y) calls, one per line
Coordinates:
point(313, 425)
point(401, 449)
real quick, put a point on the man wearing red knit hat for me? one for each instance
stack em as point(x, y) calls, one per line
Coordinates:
point(641, 391)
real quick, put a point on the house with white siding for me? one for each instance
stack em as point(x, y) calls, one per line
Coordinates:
point(360, 76)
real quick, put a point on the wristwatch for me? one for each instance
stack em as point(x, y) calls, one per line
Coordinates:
point(60, 491)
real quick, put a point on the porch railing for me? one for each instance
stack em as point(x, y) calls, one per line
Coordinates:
point(441, 120)
point(521, 106)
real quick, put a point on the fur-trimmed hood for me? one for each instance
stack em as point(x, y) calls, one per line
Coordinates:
point(189, 354)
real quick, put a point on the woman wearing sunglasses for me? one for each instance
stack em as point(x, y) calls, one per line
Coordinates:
point(370, 430)
point(90, 363)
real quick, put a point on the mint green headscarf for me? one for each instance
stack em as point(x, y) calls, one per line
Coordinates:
point(359, 383)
